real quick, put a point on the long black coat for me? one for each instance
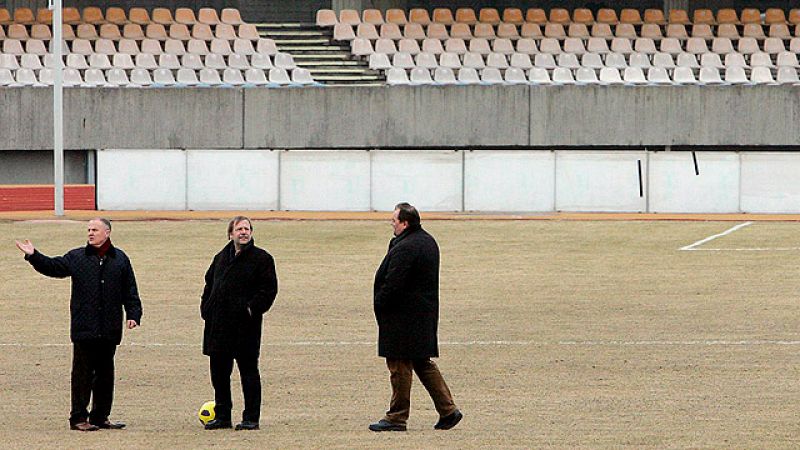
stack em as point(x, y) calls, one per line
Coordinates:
point(406, 297)
point(101, 288)
point(239, 290)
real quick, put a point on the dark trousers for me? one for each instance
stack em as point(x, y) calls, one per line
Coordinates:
point(400, 371)
point(221, 369)
point(92, 378)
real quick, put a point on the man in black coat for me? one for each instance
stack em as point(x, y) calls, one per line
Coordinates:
point(406, 303)
point(241, 286)
point(103, 284)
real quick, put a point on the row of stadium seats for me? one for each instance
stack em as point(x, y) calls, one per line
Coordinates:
point(148, 61)
point(117, 77)
point(380, 61)
point(746, 46)
point(133, 31)
point(344, 32)
point(151, 46)
point(328, 18)
point(607, 75)
point(115, 15)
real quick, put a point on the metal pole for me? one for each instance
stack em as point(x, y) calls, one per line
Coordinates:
point(58, 100)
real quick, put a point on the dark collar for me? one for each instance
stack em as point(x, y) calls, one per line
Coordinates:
point(232, 248)
point(91, 250)
point(411, 229)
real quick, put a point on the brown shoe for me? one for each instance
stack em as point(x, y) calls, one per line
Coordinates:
point(83, 426)
point(109, 425)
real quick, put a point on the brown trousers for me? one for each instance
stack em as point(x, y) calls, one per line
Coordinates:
point(400, 371)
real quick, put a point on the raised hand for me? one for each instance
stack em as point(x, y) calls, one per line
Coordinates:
point(26, 247)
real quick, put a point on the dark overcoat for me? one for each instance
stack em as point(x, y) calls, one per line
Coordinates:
point(239, 290)
point(406, 297)
point(101, 288)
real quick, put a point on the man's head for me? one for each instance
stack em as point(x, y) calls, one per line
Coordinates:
point(240, 231)
point(99, 230)
point(404, 216)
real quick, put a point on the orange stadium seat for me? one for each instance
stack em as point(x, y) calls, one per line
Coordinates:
point(727, 15)
point(419, 15)
point(248, 31)
point(794, 16)
point(513, 15)
point(5, 17)
point(231, 16)
point(629, 15)
point(443, 16)
point(325, 17)
point(654, 16)
point(161, 16)
point(24, 16)
point(209, 16)
point(438, 31)
point(559, 15)
point(202, 31)
point(460, 31)
point(93, 15)
point(349, 17)
point(396, 16)
point(679, 16)
point(608, 16)
point(71, 16)
point(530, 30)
point(110, 31)
point(775, 16)
point(41, 31)
point(583, 15)
point(116, 16)
point(536, 15)
point(489, 15)
point(484, 30)
point(751, 15)
point(133, 31)
point(155, 31)
point(86, 31)
point(139, 16)
point(703, 15)
point(372, 16)
point(466, 15)
point(507, 30)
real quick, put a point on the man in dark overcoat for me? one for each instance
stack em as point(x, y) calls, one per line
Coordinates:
point(240, 286)
point(103, 284)
point(406, 303)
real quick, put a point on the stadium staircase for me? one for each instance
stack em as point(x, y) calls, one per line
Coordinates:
point(312, 47)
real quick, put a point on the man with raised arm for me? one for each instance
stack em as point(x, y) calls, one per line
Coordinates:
point(103, 285)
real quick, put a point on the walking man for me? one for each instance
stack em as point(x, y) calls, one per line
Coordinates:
point(241, 286)
point(406, 303)
point(103, 284)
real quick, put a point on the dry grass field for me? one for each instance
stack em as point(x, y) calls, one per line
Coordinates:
point(554, 334)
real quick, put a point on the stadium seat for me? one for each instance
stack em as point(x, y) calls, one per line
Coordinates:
point(396, 16)
point(259, 61)
point(203, 31)
point(266, 46)
point(27, 77)
point(658, 75)
point(671, 46)
point(687, 60)
point(748, 46)
point(683, 75)
point(343, 32)
point(592, 61)
point(402, 60)
point(326, 18)
point(513, 16)
point(12, 47)
point(231, 16)
point(72, 77)
point(466, 15)
point(711, 60)
point(645, 45)
point(568, 60)
point(735, 75)
point(349, 17)
point(491, 75)
point(391, 31)
point(489, 15)
point(443, 16)
point(787, 75)
point(396, 76)
point(426, 60)
point(587, 75)
point(728, 30)
point(420, 75)
point(473, 61)
point(237, 61)
point(8, 62)
point(248, 31)
point(753, 30)
point(161, 16)
point(449, 60)
point(484, 30)
point(527, 46)
point(794, 45)
point(99, 61)
point(432, 46)
point(639, 60)
point(439, 32)
point(574, 45)
point(696, 46)
point(77, 61)
point(225, 31)
point(616, 60)
point(522, 61)
point(535, 15)
point(721, 46)
point(5, 17)
point(86, 31)
point(163, 77)
point(652, 31)
point(244, 47)
point(538, 75)
point(621, 45)
point(530, 30)
point(444, 75)
point(761, 59)
point(234, 76)
point(379, 61)
point(703, 15)
point(497, 61)
point(774, 16)
point(24, 16)
point(634, 75)
point(372, 16)
point(360, 47)
point(165, 61)
point(150, 46)
point(751, 16)
point(562, 75)
point(302, 76)
point(727, 15)
point(549, 46)
point(679, 16)
point(140, 77)
point(122, 61)
point(214, 61)
point(35, 47)
point(133, 31)
point(479, 45)
point(413, 31)
point(610, 75)
point(419, 16)
point(211, 77)
point(410, 46)
point(64, 47)
point(109, 31)
point(94, 78)
point(735, 60)
point(128, 46)
point(17, 31)
point(554, 30)
point(145, 61)
point(208, 16)
point(197, 47)
point(597, 45)
point(780, 30)
point(30, 61)
point(117, 77)
point(255, 76)
point(702, 30)
point(544, 61)
point(677, 30)
point(631, 16)
point(607, 16)
point(138, 16)
point(468, 75)
point(578, 30)
point(773, 46)
point(655, 16)
point(787, 59)
point(220, 47)
point(386, 46)
point(710, 75)
point(367, 31)
point(761, 75)
point(116, 15)
point(187, 77)
point(105, 46)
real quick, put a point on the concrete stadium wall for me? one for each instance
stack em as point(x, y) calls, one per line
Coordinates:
point(446, 180)
point(404, 117)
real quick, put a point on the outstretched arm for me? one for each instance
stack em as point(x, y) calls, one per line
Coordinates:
point(26, 246)
point(57, 267)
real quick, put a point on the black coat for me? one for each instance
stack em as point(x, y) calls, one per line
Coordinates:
point(239, 290)
point(406, 297)
point(101, 288)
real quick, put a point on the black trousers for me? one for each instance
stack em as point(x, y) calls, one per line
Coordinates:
point(221, 369)
point(92, 378)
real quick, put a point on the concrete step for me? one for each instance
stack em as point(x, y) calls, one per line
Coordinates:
point(287, 25)
point(340, 78)
point(303, 42)
point(354, 83)
point(309, 33)
point(341, 70)
point(313, 48)
point(307, 63)
point(313, 56)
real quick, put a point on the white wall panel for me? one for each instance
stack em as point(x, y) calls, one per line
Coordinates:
point(600, 181)
point(325, 180)
point(676, 188)
point(431, 180)
point(141, 179)
point(509, 181)
point(232, 179)
point(770, 182)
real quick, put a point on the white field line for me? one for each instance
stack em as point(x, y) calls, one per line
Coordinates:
point(766, 249)
point(575, 343)
point(711, 238)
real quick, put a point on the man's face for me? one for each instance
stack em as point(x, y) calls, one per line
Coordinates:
point(398, 226)
point(242, 233)
point(98, 233)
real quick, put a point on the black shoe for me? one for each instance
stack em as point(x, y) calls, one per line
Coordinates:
point(83, 426)
point(109, 425)
point(218, 424)
point(447, 422)
point(247, 425)
point(385, 425)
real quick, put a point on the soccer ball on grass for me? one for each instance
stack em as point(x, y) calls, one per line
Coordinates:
point(206, 413)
